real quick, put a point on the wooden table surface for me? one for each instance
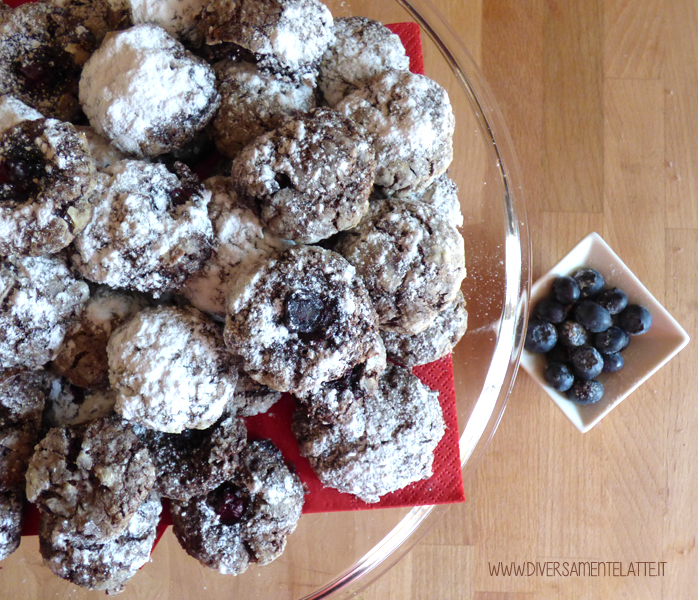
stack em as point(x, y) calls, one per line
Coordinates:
point(601, 99)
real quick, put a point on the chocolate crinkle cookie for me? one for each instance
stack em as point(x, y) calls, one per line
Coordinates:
point(252, 398)
point(195, 461)
point(11, 522)
point(284, 36)
point(435, 342)
point(23, 395)
point(441, 196)
point(245, 520)
point(362, 49)
point(92, 477)
point(240, 245)
point(388, 444)
point(98, 16)
point(146, 93)
point(46, 177)
point(13, 111)
point(309, 178)
point(150, 228)
point(68, 404)
point(179, 18)
point(411, 260)
point(171, 370)
point(101, 563)
point(302, 319)
point(82, 358)
point(335, 401)
point(42, 52)
point(40, 301)
point(411, 123)
point(254, 102)
point(103, 154)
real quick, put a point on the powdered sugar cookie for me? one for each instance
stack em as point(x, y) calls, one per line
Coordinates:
point(441, 196)
point(240, 245)
point(178, 17)
point(42, 51)
point(146, 93)
point(46, 178)
point(195, 461)
point(102, 152)
point(97, 563)
point(171, 370)
point(252, 398)
point(302, 319)
point(92, 476)
point(285, 36)
point(68, 404)
point(11, 522)
point(309, 178)
point(435, 342)
point(388, 444)
point(411, 260)
point(41, 300)
point(82, 358)
point(335, 401)
point(246, 519)
point(362, 48)
point(13, 111)
point(254, 102)
point(149, 231)
point(99, 16)
point(411, 122)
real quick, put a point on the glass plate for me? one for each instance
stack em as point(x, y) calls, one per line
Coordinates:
point(338, 554)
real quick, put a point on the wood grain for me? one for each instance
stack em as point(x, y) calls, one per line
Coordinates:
point(601, 99)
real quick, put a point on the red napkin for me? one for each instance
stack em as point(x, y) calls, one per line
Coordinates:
point(443, 487)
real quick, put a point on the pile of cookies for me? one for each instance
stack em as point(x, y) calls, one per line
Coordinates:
point(144, 312)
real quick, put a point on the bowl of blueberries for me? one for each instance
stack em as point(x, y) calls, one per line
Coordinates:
point(595, 333)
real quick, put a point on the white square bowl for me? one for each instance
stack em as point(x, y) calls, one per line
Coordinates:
point(644, 356)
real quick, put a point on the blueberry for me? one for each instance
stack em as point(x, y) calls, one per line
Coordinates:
point(566, 290)
point(585, 392)
point(587, 362)
point(551, 310)
point(559, 354)
point(614, 339)
point(635, 319)
point(592, 316)
point(559, 377)
point(303, 312)
point(613, 362)
point(541, 336)
point(590, 282)
point(572, 334)
point(613, 300)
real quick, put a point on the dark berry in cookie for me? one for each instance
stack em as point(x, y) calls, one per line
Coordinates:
point(230, 502)
point(592, 316)
point(541, 336)
point(304, 312)
point(635, 319)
